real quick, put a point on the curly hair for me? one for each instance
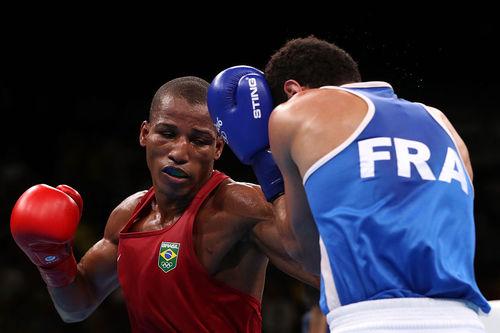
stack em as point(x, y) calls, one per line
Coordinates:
point(312, 62)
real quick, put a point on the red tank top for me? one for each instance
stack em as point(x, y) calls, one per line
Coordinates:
point(167, 289)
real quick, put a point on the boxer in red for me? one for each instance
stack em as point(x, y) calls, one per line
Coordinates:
point(190, 253)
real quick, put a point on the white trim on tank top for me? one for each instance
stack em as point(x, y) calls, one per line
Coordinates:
point(369, 115)
point(369, 84)
point(434, 113)
point(331, 294)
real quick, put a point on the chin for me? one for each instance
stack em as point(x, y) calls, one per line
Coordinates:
point(174, 191)
point(164, 184)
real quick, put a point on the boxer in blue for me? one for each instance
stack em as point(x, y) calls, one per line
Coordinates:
point(378, 189)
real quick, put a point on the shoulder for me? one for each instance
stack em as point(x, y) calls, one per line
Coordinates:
point(445, 122)
point(312, 98)
point(298, 109)
point(436, 112)
point(462, 147)
point(243, 201)
point(301, 111)
point(121, 214)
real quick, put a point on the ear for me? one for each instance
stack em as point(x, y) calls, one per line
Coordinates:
point(291, 87)
point(219, 146)
point(143, 133)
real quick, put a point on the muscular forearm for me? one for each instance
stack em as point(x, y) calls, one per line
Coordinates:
point(299, 239)
point(76, 301)
point(298, 271)
point(284, 227)
point(96, 278)
point(45, 233)
point(296, 237)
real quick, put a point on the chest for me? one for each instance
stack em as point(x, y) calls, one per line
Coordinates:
point(209, 236)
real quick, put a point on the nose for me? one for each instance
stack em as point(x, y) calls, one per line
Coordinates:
point(179, 152)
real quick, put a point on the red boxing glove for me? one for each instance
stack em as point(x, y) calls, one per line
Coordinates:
point(43, 224)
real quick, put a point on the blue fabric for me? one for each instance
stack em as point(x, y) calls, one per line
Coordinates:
point(394, 235)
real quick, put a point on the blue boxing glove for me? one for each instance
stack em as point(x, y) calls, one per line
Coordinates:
point(240, 103)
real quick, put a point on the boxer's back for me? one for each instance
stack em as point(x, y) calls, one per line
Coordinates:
point(394, 207)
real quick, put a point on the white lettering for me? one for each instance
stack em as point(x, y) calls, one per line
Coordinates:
point(252, 83)
point(410, 152)
point(453, 169)
point(419, 159)
point(218, 124)
point(367, 156)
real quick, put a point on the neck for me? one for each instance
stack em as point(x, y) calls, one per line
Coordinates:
point(171, 206)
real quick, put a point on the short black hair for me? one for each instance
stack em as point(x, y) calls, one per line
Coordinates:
point(312, 62)
point(193, 89)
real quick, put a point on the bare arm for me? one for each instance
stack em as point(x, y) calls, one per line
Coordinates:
point(464, 152)
point(270, 237)
point(298, 217)
point(97, 274)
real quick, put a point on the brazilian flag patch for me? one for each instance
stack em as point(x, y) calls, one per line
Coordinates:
point(167, 258)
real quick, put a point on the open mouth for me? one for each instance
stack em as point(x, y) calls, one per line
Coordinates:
point(175, 172)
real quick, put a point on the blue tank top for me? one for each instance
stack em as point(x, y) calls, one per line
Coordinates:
point(394, 208)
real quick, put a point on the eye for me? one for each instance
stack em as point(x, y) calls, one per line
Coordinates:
point(200, 142)
point(168, 134)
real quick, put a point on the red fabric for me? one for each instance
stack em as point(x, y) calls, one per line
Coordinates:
point(186, 298)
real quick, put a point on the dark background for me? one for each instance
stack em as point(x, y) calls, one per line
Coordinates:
point(74, 90)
